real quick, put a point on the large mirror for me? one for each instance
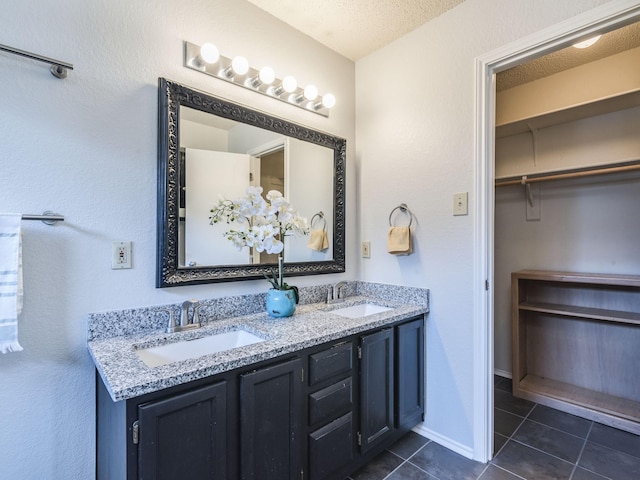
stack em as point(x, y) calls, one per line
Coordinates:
point(210, 148)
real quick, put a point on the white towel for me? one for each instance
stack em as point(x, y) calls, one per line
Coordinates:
point(10, 281)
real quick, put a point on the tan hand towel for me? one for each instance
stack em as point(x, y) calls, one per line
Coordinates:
point(399, 241)
point(318, 240)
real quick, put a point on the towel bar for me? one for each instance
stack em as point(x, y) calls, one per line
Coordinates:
point(47, 217)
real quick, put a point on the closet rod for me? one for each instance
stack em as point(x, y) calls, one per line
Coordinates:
point(525, 179)
point(58, 69)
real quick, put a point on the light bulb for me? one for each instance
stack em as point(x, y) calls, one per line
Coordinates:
point(587, 43)
point(310, 92)
point(240, 65)
point(267, 75)
point(209, 53)
point(328, 100)
point(289, 84)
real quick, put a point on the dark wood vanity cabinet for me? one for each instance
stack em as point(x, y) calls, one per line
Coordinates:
point(376, 387)
point(270, 422)
point(184, 435)
point(318, 414)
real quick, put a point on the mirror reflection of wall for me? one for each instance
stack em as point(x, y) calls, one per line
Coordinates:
point(271, 178)
point(223, 157)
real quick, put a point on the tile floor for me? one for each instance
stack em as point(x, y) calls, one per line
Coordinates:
point(533, 442)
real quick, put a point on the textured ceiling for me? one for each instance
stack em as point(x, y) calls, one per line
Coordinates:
point(355, 28)
point(617, 41)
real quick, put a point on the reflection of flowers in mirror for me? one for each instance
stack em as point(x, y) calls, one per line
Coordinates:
point(263, 222)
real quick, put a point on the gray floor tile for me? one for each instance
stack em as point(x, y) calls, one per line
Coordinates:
point(503, 383)
point(408, 471)
point(549, 440)
point(445, 464)
point(616, 439)
point(582, 474)
point(532, 464)
point(507, 402)
point(379, 467)
point(496, 473)
point(562, 421)
point(610, 463)
point(505, 423)
point(498, 442)
point(408, 445)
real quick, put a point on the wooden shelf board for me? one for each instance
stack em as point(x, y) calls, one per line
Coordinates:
point(583, 312)
point(547, 119)
point(608, 409)
point(573, 277)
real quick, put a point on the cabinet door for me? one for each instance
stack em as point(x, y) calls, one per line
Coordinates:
point(331, 447)
point(376, 387)
point(410, 373)
point(271, 422)
point(184, 436)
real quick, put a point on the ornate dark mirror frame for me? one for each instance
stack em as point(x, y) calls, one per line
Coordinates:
point(171, 96)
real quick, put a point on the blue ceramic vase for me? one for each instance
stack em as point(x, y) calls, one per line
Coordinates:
point(281, 303)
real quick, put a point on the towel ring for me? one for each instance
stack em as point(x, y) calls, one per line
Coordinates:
point(321, 215)
point(404, 209)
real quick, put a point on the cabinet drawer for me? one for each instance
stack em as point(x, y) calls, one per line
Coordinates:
point(331, 447)
point(328, 403)
point(331, 362)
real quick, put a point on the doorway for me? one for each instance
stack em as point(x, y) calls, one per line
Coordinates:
point(605, 18)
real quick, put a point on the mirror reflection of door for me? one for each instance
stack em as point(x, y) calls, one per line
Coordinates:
point(209, 174)
point(271, 177)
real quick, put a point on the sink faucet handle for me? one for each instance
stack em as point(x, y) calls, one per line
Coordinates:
point(195, 320)
point(171, 325)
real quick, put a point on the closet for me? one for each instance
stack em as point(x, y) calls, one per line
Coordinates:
point(567, 227)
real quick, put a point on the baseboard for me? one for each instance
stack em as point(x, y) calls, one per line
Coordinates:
point(502, 373)
point(463, 450)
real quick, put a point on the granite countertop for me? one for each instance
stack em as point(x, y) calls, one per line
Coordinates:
point(126, 376)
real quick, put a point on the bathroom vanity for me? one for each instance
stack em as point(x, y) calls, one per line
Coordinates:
point(321, 396)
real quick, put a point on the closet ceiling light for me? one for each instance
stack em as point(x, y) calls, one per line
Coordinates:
point(588, 42)
point(207, 59)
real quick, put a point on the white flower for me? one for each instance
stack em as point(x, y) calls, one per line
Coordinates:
point(266, 222)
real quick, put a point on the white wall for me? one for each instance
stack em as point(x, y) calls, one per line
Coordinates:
point(415, 144)
point(86, 148)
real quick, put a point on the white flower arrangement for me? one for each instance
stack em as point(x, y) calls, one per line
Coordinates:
point(266, 222)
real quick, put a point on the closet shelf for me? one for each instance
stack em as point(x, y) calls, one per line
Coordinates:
point(575, 340)
point(547, 119)
point(582, 312)
point(584, 401)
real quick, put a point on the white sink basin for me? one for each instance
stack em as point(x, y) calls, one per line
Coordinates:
point(186, 349)
point(362, 310)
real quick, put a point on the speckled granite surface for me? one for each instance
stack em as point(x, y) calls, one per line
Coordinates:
point(115, 336)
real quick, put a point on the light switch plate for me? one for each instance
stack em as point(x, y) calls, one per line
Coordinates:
point(366, 249)
point(460, 203)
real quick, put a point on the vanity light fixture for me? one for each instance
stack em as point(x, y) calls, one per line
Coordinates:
point(207, 59)
point(588, 42)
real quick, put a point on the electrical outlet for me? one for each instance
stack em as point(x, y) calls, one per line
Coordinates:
point(120, 255)
point(460, 203)
point(366, 249)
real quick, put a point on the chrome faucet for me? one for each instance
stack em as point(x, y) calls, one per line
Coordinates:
point(187, 321)
point(333, 294)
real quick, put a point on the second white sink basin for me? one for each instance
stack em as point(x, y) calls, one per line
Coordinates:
point(362, 310)
point(186, 349)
